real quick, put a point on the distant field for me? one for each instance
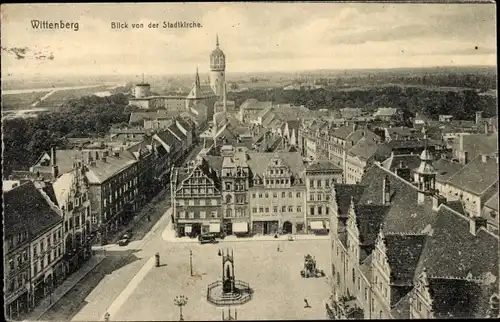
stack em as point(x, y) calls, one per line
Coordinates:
point(20, 101)
point(62, 96)
point(427, 87)
point(23, 101)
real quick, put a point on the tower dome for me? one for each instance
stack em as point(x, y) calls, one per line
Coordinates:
point(217, 58)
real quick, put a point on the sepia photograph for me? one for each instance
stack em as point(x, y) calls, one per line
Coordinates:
point(212, 161)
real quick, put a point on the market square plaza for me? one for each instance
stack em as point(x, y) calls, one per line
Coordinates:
point(279, 289)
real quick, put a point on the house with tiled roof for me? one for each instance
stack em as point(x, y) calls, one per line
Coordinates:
point(399, 251)
point(321, 175)
point(468, 147)
point(38, 262)
point(474, 183)
point(385, 113)
point(342, 140)
point(277, 192)
point(196, 198)
point(251, 109)
point(361, 155)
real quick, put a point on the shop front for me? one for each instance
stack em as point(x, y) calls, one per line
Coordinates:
point(240, 228)
point(318, 227)
point(17, 304)
point(266, 227)
point(38, 290)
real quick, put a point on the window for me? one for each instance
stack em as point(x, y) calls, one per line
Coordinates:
point(275, 209)
point(319, 196)
point(11, 264)
point(275, 194)
point(311, 183)
point(214, 202)
point(298, 194)
point(290, 208)
point(312, 211)
point(214, 214)
point(366, 294)
point(320, 210)
point(327, 210)
point(202, 202)
point(181, 202)
point(191, 202)
point(319, 184)
point(260, 194)
point(191, 215)
point(311, 197)
point(203, 214)
point(25, 256)
point(182, 214)
point(299, 209)
point(267, 195)
point(254, 210)
point(283, 194)
point(353, 275)
point(283, 208)
point(261, 209)
point(267, 209)
point(327, 183)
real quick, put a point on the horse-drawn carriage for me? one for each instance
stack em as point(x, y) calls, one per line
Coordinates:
point(310, 269)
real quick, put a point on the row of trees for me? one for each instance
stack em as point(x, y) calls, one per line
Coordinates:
point(26, 138)
point(462, 104)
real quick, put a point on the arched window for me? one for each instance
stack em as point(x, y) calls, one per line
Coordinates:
point(228, 199)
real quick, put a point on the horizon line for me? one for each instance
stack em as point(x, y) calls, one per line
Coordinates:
point(12, 77)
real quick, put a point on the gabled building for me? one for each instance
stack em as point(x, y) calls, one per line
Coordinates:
point(34, 254)
point(196, 198)
point(277, 192)
point(321, 176)
point(386, 232)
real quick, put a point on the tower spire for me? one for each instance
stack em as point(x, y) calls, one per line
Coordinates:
point(197, 79)
point(217, 40)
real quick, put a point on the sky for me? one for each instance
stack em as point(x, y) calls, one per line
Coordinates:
point(256, 37)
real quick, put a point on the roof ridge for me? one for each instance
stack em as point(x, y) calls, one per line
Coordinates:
point(51, 204)
point(393, 233)
point(478, 280)
point(379, 165)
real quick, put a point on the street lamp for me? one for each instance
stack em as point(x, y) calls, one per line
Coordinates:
point(180, 301)
point(191, 262)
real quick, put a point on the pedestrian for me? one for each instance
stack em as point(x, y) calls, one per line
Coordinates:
point(307, 306)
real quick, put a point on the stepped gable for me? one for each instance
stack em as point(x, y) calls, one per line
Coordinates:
point(343, 194)
point(369, 219)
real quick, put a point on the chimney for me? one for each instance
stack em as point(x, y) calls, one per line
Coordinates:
point(484, 158)
point(466, 157)
point(479, 116)
point(486, 130)
point(421, 198)
point(97, 155)
point(53, 160)
point(437, 200)
point(461, 143)
point(363, 133)
point(55, 171)
point(386, 191)
point(475, 223)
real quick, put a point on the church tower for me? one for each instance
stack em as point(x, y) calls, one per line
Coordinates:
point(217, 70)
